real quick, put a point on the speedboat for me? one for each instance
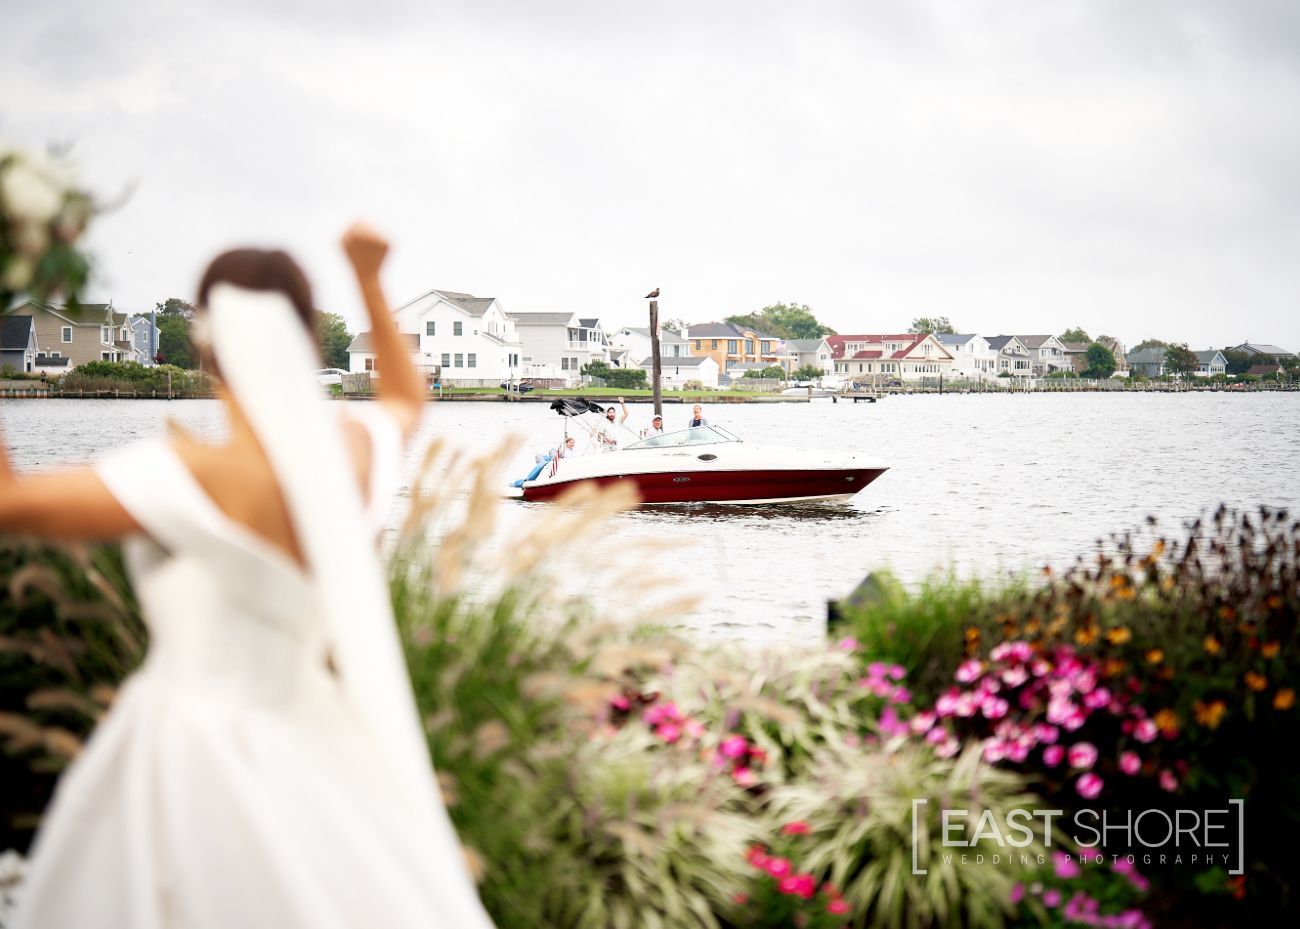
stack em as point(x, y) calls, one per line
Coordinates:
point(706, 464)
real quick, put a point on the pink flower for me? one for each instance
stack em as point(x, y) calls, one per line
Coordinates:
point(967, 671)
point(934, 736)
point(947, 748)
point(777, 867)
point(1040, 668)
point(798, 827)
point(946, 705)
point(847, 644)
point(1168, 781)
point(923, 722)
point(745, 777)
point(994, 751)
point(662, 712)
point(1051, 898)
point(995, 708)
point(1129, 763)
point(1014, 677)
point(756, 754)
point(1145, 731)
point(669, 732)
point(1074, 721)
point(1052, 755)
point(620, 702)
point(1082, 755)
point(1017, 893)
point(897, 672)
point(1046, 734)
point(1097, 699)
point(694, 728)
point(1066, 867)
point(900, 695)
point(757, 856)
point(1018, 751)
point(733, 746)
point(837, 907)
point(1088, 785)
point(877, 669)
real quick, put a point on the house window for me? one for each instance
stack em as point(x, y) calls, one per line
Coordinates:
point(446, 360)
point(370, 364)
point(749, 346)
point(767, 348)
point(105, 356)
point(67, 333)
point(460, 360)
point(733, 346)
point(430, 328)
point(473, 360)
point(457, 329)
point(564, 364)
point(714, 346)
point(514, 361)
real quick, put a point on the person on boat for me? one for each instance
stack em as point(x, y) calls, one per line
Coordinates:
point(655, 428)
point(266, 764)
point(697, 418)
point(607, 432)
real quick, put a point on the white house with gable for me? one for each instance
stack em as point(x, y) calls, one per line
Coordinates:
point(635, 340)
point(676, 371)
point(471, 339)
point(972, 355)
point(558, 345)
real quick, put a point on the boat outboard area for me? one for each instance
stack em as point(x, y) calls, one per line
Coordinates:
point(699, 464)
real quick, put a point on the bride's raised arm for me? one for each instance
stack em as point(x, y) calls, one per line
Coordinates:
point(72, 505)
point(399, 383)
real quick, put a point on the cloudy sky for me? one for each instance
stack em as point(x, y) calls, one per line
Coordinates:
point(1016, 165)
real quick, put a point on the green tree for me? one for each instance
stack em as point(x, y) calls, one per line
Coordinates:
point(1149, 343)
point(785, 321)
point(808, 373)
point(1179, 360)
point(174, 345)
point(1237, 362)
point(596, 368)
point(938, 324)
point(334, 338)
point(175, 306)
point(1101, 361)
point(1075, 335)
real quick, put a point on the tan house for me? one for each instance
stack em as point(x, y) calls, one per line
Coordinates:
point(70, 336)
point(736, 346)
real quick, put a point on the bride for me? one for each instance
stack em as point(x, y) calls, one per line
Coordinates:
point(266, 765)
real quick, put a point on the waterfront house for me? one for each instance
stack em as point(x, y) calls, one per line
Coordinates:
point(73, 335)
point(144, 337)
point(972, 355)
point(1046, 354)
point(1013, 358)
point(908, 356)
point(815, 353)
point(631, 343)
point(17, 344)
point(1076, 356)
point(1116, 349)
point(727, 344)
point(1210, 362)
point(469, 340)
point(1262, 353)
point(558, 345)
point(679, 370)
point(1148, 361)
point(1265, 371)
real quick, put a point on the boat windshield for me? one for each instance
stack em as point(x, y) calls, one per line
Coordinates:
point(698, 435)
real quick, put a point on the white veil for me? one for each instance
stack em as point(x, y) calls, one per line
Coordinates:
point(266, 355)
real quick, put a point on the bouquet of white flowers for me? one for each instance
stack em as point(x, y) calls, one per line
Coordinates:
point(42, 215)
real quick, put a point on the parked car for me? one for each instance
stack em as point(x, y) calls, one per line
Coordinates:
point(327, 376)
point(522, 387)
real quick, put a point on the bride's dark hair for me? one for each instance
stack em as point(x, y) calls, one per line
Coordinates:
point(258, 269)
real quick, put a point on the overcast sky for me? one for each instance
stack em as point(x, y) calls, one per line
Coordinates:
point(1019, 166)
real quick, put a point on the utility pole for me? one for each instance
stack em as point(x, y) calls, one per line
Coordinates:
point(654, 354)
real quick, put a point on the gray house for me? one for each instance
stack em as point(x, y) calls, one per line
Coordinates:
point(1210, 362)
point(1148, 361)
point(18, 343)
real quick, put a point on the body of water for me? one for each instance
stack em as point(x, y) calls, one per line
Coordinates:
point(978, 484)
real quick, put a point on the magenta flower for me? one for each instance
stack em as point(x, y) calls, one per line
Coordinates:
point(1014, 677)
point(995, 708)
point(1045, 733)
point(934, 736)
point(620, 702)
point(947, 748)
point(1145, 731)
point(1017, 893)
point(897, 672)
point(847, 644)
point(967, 671)
point(777, 867)
point(1097, 699)
point(1066, 867)
point(733, 746)
point(900, 695)
point(798, 827)
point(877, 669)
point(662, 712)
point(946, 705)
point(923, 722)
point(1168, 781)
point(1082, 755)
point(994, 751)
point(1052, 898)
point(745, 777)
point(1088, 785)
point(669, 732)
point(1129, 763)
point(1052, 755)
point(837, 907)
point(694, 728)
point(757, 856)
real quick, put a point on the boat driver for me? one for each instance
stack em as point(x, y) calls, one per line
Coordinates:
point(655, 428)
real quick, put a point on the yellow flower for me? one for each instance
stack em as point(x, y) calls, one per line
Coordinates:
point(1209, 714)
point(1158, 549)
point(1227, 612)
point(1166, 584)
point(1284, 699)
point(1118, 580)
point(1086, 636)
point(1212, 646)
point(1155, 656)
point(1270, 649)
point(1256, 681)
point(1113, 667)
point(1274, 602)
point(972, 634)
point(1118, 635)
point(1166, 721)
point(1126, 593)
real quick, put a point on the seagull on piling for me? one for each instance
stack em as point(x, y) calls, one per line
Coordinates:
point(654, 293)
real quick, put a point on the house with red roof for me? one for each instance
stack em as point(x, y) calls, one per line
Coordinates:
point(909, 356)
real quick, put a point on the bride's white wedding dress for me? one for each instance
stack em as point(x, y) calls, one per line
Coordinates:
point(238, 781)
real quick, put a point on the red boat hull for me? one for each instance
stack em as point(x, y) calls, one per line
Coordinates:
point(726, 486)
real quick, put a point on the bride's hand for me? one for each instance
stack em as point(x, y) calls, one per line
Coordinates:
point(365, 248)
